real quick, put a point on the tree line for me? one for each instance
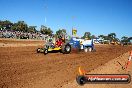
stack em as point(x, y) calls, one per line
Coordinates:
point(112, 38)
point(22, 26)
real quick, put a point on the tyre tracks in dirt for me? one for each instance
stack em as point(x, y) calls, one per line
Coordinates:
point(23, 67)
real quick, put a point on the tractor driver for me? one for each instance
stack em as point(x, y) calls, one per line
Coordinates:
point(59, 42)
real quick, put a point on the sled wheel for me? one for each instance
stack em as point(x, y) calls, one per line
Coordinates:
point(90, 49)
point(85, 49)
point(38, 50)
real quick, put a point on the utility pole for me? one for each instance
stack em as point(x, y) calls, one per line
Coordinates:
point(45, 10)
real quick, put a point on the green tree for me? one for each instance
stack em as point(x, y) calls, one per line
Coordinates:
point(45, 30)
point(124, 39)
point(87, 35)
point(14, 27)
point(105, 37)
point(1, 27)
point(32, 29)
point(6, 25)
point(112, 36)
point(101, 36)
point(117, 39)
point(61, 32)
point(93, 37)
point(22, 26)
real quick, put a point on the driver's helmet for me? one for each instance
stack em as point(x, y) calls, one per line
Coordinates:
point(60, 37)
point(50, 40)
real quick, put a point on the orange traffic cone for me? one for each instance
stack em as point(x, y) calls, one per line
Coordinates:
point(129, 60)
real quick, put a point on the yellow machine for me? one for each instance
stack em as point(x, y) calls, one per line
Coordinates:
point(65, 49)
point(57, 48)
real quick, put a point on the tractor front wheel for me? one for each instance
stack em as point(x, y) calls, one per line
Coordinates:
point(45, 51)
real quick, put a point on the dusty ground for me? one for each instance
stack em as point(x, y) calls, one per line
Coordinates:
point(112, 67)
point(21, 66)
point(19, 43)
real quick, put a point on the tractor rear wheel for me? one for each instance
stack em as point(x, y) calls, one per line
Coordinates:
point(66, 48)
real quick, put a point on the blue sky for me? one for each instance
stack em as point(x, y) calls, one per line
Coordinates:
point(95, 16)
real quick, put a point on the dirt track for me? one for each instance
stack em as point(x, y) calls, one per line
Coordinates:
point(23, 67)
point(111, 67)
